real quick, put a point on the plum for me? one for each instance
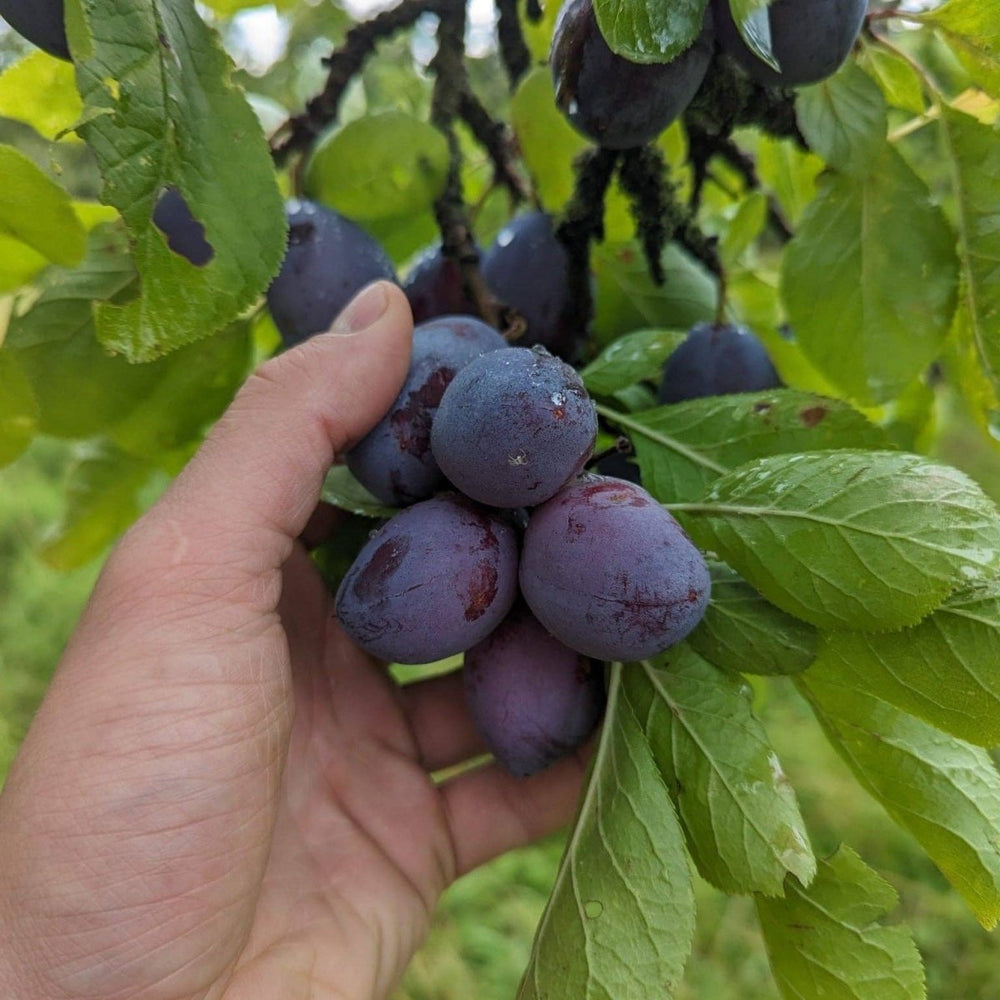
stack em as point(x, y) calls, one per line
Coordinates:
point(715, 361)
point(532, 698)
point(527, 268)
point(41, 22)
point(617, 103)
point(185, 234)
point(434, 287)
point(329, 260)
point(394, 461)
point(513, 427)
point(610, 573)
point(809, 38)
point(433, 581)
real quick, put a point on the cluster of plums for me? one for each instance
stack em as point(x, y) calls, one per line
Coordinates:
point(620, 104)
point(526, 267)
point(506, 550)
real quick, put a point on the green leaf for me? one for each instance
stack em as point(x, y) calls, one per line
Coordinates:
point(102, 501)
point(621, 913)
point(945, 791)
point(738, 811)
point(684, 447)
point(645, 31)
point(627, 299)
point(629, 359)
point(744, 226)
point(869, 280)
point(844, 120)
point(548, 143)
point(81, 389)
point(160, 111)
point(37, 211)
point(943, 670)
point(850, 539)
point(341, 489)
point(754, 24)
point(825, 941)
point(897, 79)
point(192, 388)
point(790, 173)
point(383, 166)
point(973, 159)
point(19, 264)
point(40, 90)
point(18, 409)
point(973, 30)
point(744, 633)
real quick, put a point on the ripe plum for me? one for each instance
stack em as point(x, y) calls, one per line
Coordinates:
point(434, 287)
point(42, 22)
point(513, 427)
point(329, 260)
point(610, 573)
point(433, 581)
point(394, 461)
point(533, 699)
point(716, 361)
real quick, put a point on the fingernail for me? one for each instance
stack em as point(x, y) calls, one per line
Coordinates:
point(363, 310)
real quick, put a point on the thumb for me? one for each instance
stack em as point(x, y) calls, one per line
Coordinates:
point(250, 489)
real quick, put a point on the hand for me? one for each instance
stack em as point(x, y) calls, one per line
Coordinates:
point(221, 796)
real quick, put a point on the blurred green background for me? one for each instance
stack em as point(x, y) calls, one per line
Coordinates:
point(483, 931)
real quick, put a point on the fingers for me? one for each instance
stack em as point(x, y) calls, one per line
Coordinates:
point(491, 812)
point(254, 483)
point(440, 721)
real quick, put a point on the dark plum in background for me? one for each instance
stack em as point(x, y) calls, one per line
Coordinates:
point(716, 361)
point(527, 268)
point(394, 461)
point(434, 287)
point(809, 38)
point(514, 426)
point(618, 466)
point(532, 699)
point(610, 573)
point(431, 582)
point(185, 234)
point(617, 103)
point(329, 260)
point(42, 22)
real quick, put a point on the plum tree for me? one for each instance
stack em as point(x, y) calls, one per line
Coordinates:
point(610, 573)
point(394, 461)
point(532, 698)
point(617, 103)
point(809, 38)
point(329, 260)
point(527, 267)
point(433, 581)
point(434, 287)
point(42, 22)
point(185, 234)
point(513, 427)
point(715, 360)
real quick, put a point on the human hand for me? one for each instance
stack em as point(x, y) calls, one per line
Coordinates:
point(222, 796)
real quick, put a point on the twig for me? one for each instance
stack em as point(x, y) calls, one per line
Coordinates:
point(498, 141)
point(513, 48)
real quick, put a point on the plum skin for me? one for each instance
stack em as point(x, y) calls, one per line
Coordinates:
point(394, 461)
point(809, 38)
point(527, 268)
point(513, 427)
point(532, 698)
point(434, 287)
point(610, 573)
point(328, 261)
point(185, 234)
point(41, 22)
point(716, 361)
point(431, 582)
point(617, 103)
